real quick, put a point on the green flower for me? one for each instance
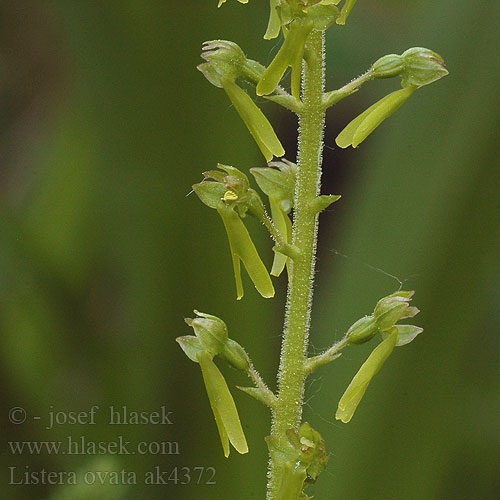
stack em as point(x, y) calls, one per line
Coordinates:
point(229, 192)
point(225, 63)
point(416, 66)
point(388, 311)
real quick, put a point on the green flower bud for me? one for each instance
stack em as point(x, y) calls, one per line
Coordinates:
point(357, 388)
point(362, 126)
point(362, 331)
point(287, 452)
point(390, 314)
point(313, 451)
point(191, 346)
point(303, 456)
point(422, 66)
point(225, 57)
point(210, 331)
point(282, 450)
point(236, 355)
point(223, 407)
point(393, 308)
point(243, 249)
point(388, 66)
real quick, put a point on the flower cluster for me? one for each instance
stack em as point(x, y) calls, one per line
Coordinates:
point(417, 67)
point(386, 314)
point(303, 454)
point(211, 339)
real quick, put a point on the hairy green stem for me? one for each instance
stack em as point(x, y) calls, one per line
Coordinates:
point(334, 96)
point(329, 355)
point(288, 409)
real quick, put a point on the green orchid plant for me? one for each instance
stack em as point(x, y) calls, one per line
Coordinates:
point(297, 451)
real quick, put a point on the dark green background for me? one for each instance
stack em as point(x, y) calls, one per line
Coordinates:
point(104, 125)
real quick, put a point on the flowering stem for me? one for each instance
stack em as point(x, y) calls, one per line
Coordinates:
point(292, 373)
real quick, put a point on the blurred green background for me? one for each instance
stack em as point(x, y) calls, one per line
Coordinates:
point(105, 124)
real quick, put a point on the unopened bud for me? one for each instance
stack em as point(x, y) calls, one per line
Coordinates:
point(226, 57)
point(422, 66)
point(210, 331)
point(392, 308)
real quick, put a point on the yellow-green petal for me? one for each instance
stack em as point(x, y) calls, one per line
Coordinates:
point(274, 25)
point(255, 120)
point(223, 407)
point(291, 54)
point(364, 124)
point(381, 112)
point(346, 10)
point(357, 388)
point(242, 248)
